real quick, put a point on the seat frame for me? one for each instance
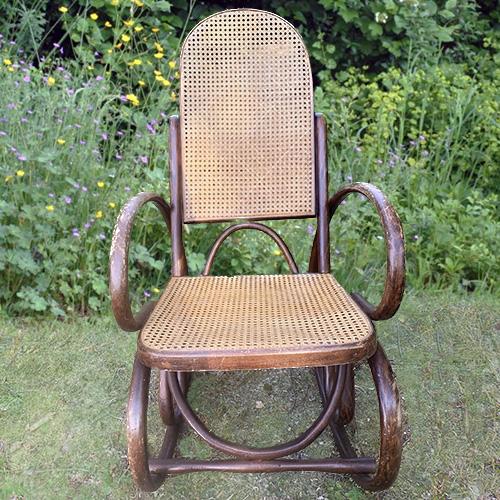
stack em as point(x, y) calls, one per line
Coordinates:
point(335, 383)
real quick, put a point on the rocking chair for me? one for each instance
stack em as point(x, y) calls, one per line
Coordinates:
point(248, 145)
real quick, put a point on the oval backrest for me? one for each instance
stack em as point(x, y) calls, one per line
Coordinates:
point(246, 115)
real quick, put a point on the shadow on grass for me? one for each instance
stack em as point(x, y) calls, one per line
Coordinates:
point(64, 386)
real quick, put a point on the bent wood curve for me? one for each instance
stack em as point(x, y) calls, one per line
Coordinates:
point(247, 452)
point(118, 262)
point(250, 225)
point(394, 241)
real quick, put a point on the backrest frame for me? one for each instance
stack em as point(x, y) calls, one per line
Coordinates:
point(319, 207)
point(246, 120)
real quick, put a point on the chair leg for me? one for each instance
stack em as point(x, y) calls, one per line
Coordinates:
point(138, 455)
point(389, 458)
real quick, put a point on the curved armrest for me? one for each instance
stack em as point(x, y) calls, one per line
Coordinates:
point(118, 262)
point(394, 241)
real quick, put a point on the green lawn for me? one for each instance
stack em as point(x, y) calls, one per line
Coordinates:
point(63, 388)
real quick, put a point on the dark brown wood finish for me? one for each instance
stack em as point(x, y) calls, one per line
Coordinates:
point(118, 262)
point(336, 383)
point(323, 260)
point(179, 263)
point(258, 227)
point(394, 240)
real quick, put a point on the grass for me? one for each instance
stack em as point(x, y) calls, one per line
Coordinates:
point(64, 384)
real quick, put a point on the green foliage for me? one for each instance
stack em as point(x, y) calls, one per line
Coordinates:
point(79, 137)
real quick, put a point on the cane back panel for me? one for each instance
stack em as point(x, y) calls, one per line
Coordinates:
point(246, 119)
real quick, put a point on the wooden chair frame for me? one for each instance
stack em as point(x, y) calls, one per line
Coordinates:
point(335, 383)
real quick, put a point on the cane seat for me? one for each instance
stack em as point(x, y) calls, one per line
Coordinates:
point(250, 322)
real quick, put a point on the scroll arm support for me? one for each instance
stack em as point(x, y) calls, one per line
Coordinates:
point(394, 241)
point(118, 262)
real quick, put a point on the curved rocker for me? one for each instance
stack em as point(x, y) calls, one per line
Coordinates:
point(389, 457)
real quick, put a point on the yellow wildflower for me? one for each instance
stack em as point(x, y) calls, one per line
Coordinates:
point(277, 252)
point(129, 23)
point(138, 29)
point(108, 24)
point(50, 208)
point(60, 141)
point(98, 214)
point(94, 16)
point(159, 78)
point(138, 3)
point(115, 2)
point(109, 51)
point(166, 83)
point(142, 83)
point(112, 204)
point(20, 173)
point(8, 178)
point(119, 45)
point(133, 99)
point(7, 62)
point(159, 55)
point(100, 184)
point(10, 68)
point(50, 81)
point(158, 47)
point(156, 290)
point(171, 64)
point(125, 38)
point(177, 74)
point(173, 96)
point(155, 30)
point(157, 72)
point(63, 9)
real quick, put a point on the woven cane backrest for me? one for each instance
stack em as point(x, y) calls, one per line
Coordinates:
point(246, 119)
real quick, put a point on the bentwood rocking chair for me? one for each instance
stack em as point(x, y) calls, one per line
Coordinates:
point(248, 145)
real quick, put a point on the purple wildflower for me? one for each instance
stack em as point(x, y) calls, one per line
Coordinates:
point(11, 105)
point(310, 229)
point(119, 133)
point(2, 133)
point(147, 293)
point(24, 120)
point(82, 142)
point(151, 129)
point(75, 232)
point(421, 138)
point(104, 136)
point(27, 78)
point(84, 189)
point(123, 98)
point(102, 236)
point(22, 158)
point(144, 159)
point(68, 200)
point(87, 225)
point(51, 195)
point(76, 185)
point(99, 78)
point(118, 156)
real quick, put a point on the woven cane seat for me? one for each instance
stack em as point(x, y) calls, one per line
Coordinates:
point(249, 322)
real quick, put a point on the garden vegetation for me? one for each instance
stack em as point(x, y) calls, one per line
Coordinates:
point(409, 89)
